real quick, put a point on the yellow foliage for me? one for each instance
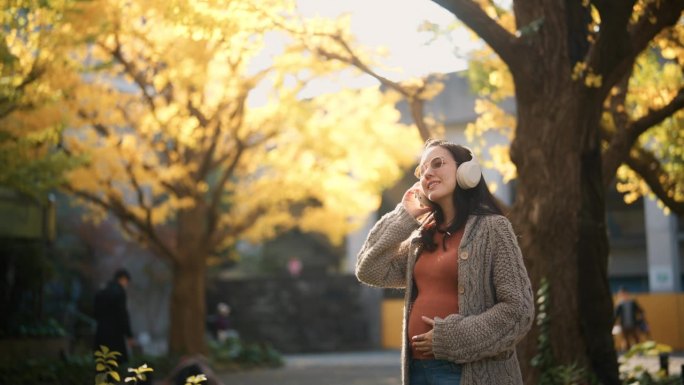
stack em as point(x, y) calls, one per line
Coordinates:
point(593, 80)
point(490, 116)
point(582, 71)
point(156, 96)
point(501, 162)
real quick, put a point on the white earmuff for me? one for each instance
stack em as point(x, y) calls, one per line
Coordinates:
point(468, 174)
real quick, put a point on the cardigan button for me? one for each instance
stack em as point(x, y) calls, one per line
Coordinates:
point(464, 255)
point(461, 289)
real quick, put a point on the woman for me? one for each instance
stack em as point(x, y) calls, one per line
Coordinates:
point(468, 298)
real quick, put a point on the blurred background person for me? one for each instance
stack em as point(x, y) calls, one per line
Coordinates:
point(112, 318)
point(629, 316)
point(222, 323)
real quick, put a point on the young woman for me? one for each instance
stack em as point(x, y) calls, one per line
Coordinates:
point(468, 298)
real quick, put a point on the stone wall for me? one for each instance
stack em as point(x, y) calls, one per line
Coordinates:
point(304, 314)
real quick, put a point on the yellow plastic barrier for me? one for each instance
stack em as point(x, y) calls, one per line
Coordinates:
point(665, 316)
point(392, 314)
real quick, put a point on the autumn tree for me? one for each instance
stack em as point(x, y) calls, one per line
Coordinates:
point(35, 77)
point(198, 132)
point(598, 91)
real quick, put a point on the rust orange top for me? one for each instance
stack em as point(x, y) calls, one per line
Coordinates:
point(436, 277)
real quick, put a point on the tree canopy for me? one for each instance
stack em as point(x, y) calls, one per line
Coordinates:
point(196, 126)
point(36, 78)
point(642, 122)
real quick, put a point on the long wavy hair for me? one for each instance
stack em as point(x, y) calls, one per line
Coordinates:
point(475, 201)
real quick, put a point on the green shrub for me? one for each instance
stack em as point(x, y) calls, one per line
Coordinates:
point(550, 372)
point(235, 354)
point(68, 371)
point(639, 375)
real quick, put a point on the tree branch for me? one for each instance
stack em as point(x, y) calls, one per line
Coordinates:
point(649, 168)
point(141, 198)
point(234, 230)
point(655, 117)
point(619, 44)
point(118, 208)
point(220, 188)
point(236, 115)
point(415, 101)
point(625, 137)
point(506, 45)
point(666, 14)
point(133, 72)
point(7, 103)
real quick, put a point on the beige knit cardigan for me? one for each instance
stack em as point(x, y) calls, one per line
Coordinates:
point(496, 305)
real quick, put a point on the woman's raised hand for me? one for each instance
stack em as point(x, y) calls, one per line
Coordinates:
point(415, 202)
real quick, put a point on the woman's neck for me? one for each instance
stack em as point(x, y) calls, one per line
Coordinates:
point(449, 212)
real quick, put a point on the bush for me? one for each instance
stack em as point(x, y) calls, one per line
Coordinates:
point(638, 375)
point(68, 371)
point(234, 354)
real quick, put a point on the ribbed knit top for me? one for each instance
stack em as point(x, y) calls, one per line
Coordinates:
point(436, 277)
point(496, 305)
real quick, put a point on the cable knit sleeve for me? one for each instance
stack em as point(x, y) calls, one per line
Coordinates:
point(383, 257)
point(497, 330)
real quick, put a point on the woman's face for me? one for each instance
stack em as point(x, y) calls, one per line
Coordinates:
point(438, 174)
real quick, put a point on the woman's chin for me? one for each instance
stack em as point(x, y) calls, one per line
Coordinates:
point(435, 198)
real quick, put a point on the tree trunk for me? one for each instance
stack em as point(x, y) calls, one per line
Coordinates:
point(595, 300)
point(559, 215)
point(545, 215)
point(188, 307)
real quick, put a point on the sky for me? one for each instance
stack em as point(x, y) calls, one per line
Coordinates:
point(392, 24)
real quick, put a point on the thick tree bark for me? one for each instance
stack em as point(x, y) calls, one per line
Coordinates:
point(188, 307)
point(595, 300)
point(559, 214)
point(545, 214)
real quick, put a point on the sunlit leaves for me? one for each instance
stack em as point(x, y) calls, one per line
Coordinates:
point(35, 79)
point(106, 366)
point(139, 374)
point(168, 119)
point(655, 82)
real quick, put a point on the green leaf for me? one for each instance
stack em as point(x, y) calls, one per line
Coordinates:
point(115, 375)
point(100, 367)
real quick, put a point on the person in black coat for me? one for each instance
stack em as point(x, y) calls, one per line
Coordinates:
point(111, 314)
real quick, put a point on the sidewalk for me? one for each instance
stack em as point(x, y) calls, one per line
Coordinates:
point(347, 368)
point(365, 368)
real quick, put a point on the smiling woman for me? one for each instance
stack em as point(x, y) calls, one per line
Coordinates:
point(468, 300)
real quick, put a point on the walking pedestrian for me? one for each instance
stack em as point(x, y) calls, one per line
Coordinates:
point(111, 314)
point(468, 299)
point(631, 319)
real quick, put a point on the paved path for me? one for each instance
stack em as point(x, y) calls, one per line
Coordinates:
point(355, 368)
point(362, 368)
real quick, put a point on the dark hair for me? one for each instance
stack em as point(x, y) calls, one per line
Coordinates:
point(475, 201)
point(121, 273)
